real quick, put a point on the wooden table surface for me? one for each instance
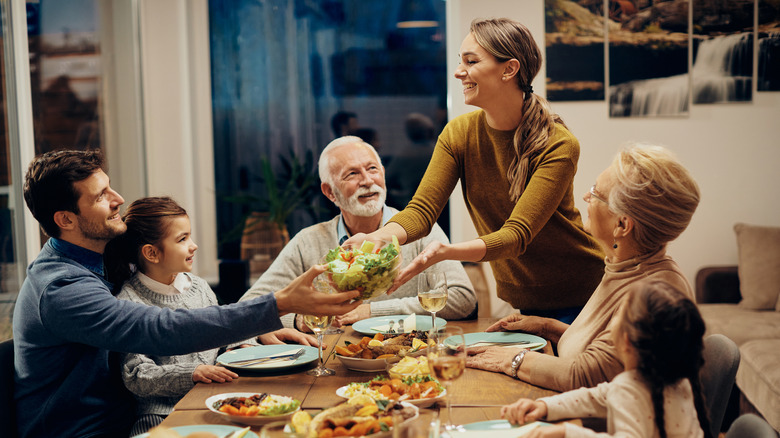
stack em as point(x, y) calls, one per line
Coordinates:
point(476, 396)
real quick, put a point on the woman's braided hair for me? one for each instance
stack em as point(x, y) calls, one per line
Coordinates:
point(666, 331)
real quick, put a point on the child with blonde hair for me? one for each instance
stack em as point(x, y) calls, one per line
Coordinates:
point(659, 340)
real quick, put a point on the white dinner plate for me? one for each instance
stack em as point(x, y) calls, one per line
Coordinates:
point(310, 354)
point(420, 403)
point(496, 429)
point(216, 429)
point(244, 419)
point(367, 326)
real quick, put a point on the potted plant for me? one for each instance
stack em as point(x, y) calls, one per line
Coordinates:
point(263, 228)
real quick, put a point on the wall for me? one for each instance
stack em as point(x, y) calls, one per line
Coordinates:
point(732, 150)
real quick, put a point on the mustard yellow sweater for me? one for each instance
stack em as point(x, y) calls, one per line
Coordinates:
point(540, 255)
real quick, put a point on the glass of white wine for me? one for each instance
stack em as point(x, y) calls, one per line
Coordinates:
point(318, 325)
point(447, 361)
point(432, 292)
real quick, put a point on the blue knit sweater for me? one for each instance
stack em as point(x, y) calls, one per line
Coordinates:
point(68, 328)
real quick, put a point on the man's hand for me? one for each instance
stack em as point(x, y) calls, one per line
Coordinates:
point(212, 373)
point(300, 297)
point(285, 335)
point(362, 312)
point(524, 411)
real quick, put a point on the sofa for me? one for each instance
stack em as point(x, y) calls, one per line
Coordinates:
point(743, 303)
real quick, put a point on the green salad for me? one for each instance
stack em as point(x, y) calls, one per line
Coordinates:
point(364, 269)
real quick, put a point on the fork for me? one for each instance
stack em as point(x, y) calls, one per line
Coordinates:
point(248, 362)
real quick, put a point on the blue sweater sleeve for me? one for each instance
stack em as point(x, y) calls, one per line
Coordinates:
point(83, 310)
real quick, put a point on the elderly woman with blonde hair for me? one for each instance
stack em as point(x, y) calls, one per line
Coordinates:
point(641, 202)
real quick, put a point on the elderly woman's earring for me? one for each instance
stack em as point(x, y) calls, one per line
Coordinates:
point(614, 245)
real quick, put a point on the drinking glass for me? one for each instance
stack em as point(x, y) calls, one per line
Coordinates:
point(318, 325)
point(432, 292)
point(447, 361)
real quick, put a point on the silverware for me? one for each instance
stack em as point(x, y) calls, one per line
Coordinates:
point(261, 360)
point(487, 343)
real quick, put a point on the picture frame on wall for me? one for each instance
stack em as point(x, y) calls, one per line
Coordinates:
point(648, 58)
point(722, 37)
point(768, 70)
point(574, 50)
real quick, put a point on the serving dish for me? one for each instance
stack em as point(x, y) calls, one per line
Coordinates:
point(256, 420)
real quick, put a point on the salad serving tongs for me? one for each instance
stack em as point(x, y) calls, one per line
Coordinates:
point(257, 361)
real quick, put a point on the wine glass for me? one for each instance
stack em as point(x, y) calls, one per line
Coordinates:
point(447, 361)
point(432, 292)
point(318, 325)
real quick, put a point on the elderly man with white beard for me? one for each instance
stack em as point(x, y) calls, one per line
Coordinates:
point(353, 178)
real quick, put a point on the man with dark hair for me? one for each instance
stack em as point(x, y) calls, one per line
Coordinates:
point(67, 324)
point(343, 123)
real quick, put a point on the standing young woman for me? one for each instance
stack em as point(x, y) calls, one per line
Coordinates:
point(516, 162)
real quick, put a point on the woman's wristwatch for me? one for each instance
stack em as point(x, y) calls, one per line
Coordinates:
point(516, 362)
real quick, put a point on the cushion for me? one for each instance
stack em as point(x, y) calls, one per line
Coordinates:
point(758, 377)
point(759, 266)
point(739, 324)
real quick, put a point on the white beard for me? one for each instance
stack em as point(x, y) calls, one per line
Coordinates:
point(353, 206)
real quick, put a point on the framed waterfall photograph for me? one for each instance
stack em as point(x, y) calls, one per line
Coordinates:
point(574, 49)
point(768, 45)
point(648, 58)
point(722, 51)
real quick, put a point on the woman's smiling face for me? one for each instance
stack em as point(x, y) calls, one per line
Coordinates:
point(480, 72)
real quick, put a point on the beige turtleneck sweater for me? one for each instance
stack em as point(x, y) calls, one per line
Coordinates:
point(586, 353)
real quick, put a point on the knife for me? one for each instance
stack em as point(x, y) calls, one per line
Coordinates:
point(260, 360)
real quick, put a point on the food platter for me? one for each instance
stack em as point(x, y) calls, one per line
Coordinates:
point(420, 403)
point(256, 420)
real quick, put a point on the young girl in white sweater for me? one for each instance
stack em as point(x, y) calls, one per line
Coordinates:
point(152, 263)
point(659, 340)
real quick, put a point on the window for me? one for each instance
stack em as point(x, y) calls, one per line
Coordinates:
point(282, 69)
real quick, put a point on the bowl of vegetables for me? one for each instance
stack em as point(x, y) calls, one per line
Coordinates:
point(370, 269)
point(251, 408)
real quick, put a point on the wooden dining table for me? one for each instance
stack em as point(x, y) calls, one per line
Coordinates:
point(476, 396)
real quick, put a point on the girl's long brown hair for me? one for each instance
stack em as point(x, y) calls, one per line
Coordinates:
point(666, 330)
point(507, 39)
point(147, 221)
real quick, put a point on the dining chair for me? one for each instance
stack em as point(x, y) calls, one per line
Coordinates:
point(7, 405)
point(750, 426)
point(721, 360)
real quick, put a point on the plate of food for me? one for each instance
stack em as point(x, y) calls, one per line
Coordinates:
point(382, 324)
point(372, 354)
point(356, 417)
point(268, 357)
point(371, 269)
point(251, 408)
point(486, 339)
point(202, 431)
point(421, 391)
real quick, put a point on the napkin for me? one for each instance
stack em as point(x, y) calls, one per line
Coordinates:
point(410, 324)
